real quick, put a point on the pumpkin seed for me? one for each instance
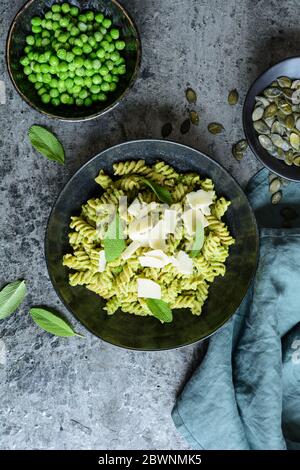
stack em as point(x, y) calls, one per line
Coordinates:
point(290, 121)
point(215, 128)
point(266, 142)
point(285, 107)
point(191, 95)
point(185, 126)
point(270, 121)
point(272, 92)
point(289, 157)
point(166, 130)
point(287, 92)
point(270, 110)
point(238, 155)
point(257, 113)
point(233, 97)
point(272, 177)
point(277, 140)
point(276, 197)
point(298, 124)
point(296, 160)
point(277, 128)
point(261, 127)
point(295, 140)
point(275, 185)
point(295, 84)
point(296, 96)
point(262, 100)
point(284, 82)
point(242, 145)
point(194, 118)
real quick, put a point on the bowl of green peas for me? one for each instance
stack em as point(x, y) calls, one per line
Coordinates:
point(73, 61)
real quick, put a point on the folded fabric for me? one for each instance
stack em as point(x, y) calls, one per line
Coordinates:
point(246, 392)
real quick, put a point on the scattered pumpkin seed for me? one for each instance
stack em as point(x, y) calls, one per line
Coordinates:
point(272, 176)
point(233, 97)
point(191, 95)
point(289, 157)
point(276, 197)
point(194, 117)
point(215, 128)
point(296, 160)
point(185, 126)
point(275, 185)
point(284, 82)
point(166, 130)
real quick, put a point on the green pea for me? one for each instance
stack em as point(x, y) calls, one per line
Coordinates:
point(62, 54)
point(72, 67)
point(96, 64)
point(71, 74)
point(121, 70)
point(109, 65)
point(54, 83)
point(69, 83)
point(39, 77)
point(36, 21)
point(24, 61)
point(106, 23)
point(74, 11)
point(74, 31)
point(98, 36)
point(44, 68)
point(79, 81)
point(56, 17)
point(30, 40)
point(65, 98)
point(112, 86)
point(27, 70)
point(99, 18)
point(71, 100)
point(32, 78)
point(45, 42)
point(55, 101)
point(65, 8)
point(41, 91)
point(61, 86)
point(88, 82)
point(36, 29)
point(94, 97)
point(72, 41)
point(103, 70)
point(97, 79)
point(76, 89)
point(35, 67)
point(77, 50)
point(54, 93)
point(64, 22)
point(83, 94)
point(27, 49)
point(52, 70)
point(49, 25)
point(63, 75)
point(79, 102)
point(105, 86)
point(88, 64)
point(103, 30)
point(54, 61)
point(95, 89)
point(120, 61)
point(45, 34)
point(47, 55)
point(120, 45)
point(47, 78)
point(102, 97)
point(90, 15)
point(80, 72)
point(87, 49)
point(88, 102)
point(63, 37)
point(78, 61)
point(93, 55)
point(105, 45)
point(45, 98)
point(78, 42)
point(82, 18)
point(48, 15)
point(115, 33)
point(63, 66)
point(56, 8)
point(100, 53)
point(108, 38)
point(38, 85)
point(82, 26)
point(89, 73)
point(55, 26)
point(69, 56)
point(108, 78)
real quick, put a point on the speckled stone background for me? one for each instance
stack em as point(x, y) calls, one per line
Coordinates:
point(83, 393)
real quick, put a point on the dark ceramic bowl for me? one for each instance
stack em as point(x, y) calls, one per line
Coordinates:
point(21, 27)
point(291, 68)
point(147, 333)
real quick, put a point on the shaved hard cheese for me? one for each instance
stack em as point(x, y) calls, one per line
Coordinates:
point(200, 200)
point(102, 261)
point(158, 244)
point(154, 259)
point(183, 263)
point(135, 207)
point(131, 249)
point(158, 231)
point(170, 221)
point(138, 229)
point(191, 219)
point(148, 289)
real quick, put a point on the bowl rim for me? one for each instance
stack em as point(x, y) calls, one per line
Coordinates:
point(72, 119)
point(61, 194)
point(245, 126)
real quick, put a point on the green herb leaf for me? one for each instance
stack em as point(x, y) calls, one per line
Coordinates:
point(162, 193)
point(198, 242)
point(47, 144)
point(160, 309)
point(114, 243)
point(11, 297)
point(52, 323)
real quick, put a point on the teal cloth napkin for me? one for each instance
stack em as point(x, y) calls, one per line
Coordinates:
point(246, 392)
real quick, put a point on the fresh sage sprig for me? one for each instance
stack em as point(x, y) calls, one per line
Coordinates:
point(11, 297)
point(160, 310)
point(198, 242)
point(47, 144)
point(162, 193)
point(52, 322)
point(114, 243)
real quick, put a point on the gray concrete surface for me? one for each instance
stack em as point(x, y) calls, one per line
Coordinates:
point(85, 394)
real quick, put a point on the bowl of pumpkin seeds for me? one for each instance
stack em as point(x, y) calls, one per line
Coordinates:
point(271, 118)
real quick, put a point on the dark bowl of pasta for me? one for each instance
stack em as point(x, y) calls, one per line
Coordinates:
point(137, 289)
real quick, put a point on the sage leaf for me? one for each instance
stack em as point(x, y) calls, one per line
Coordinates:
point(46, 143)
point(198, 242)
point(52, 323)
point(160, 310)
point(162, 193)
point(11, 297)
point(114, 243)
